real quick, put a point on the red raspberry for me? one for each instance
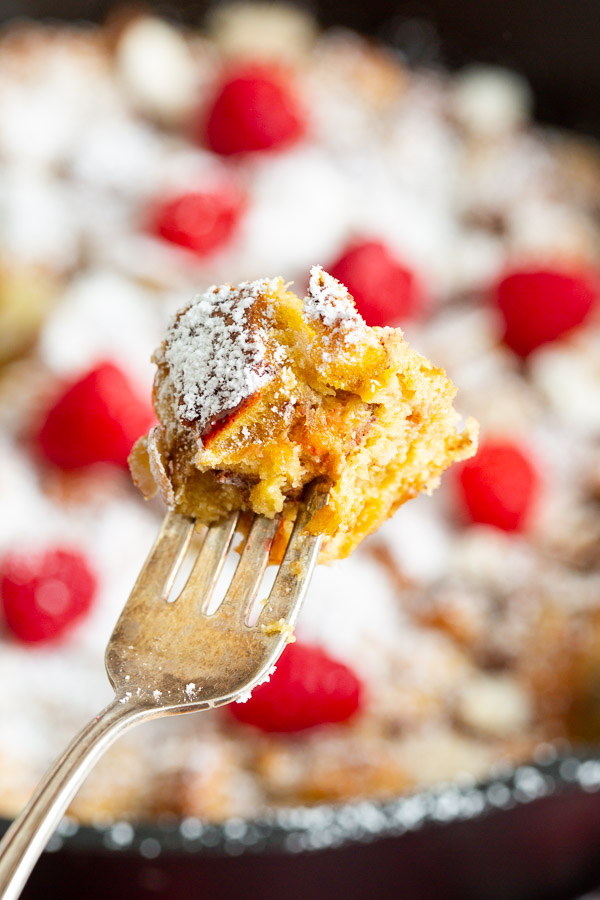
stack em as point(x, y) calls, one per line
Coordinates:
point(540, 305)
point(307, 689)
point(43, 596)
point(200, 221)
point(386, 292)
point(96, 419)
point(254, 109)
point(499, 486)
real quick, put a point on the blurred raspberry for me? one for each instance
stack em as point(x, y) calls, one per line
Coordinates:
point(308, 688)
point(386, 291)
point(499, 486)
point(96, 419)
point(43, 596)
point(200, 221)
point(255, 108)
point(540, 305)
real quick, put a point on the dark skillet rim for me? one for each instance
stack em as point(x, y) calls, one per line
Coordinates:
point(553, 769)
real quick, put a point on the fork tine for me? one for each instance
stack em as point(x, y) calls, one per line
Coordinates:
point(199, 588)
point(250, 569)
point(164, 560)
point(299, 561)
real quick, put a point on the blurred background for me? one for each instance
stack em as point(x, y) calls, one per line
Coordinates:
point(483, 635)
point(555, 47)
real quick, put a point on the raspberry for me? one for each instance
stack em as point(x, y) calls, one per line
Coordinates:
point(499, 486)
point(540, 305)
point(201, 222)
point(386, 292)
point(254, 109)
point(96, 419)
point(307, 689)
point(43, 596)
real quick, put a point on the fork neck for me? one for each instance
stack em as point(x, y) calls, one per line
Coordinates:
point(29, 833)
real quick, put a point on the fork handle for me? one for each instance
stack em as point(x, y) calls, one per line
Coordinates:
point(26, 838)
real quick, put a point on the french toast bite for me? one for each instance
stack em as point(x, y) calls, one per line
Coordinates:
point(259, 392)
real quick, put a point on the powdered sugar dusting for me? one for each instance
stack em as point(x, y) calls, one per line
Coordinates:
point(328, 301)
point(217, 358)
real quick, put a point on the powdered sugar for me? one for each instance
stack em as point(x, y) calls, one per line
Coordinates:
point(329, 302)
point(217, 353)
point(216, 357)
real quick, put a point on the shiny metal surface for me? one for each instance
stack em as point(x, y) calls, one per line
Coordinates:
point(167, 657)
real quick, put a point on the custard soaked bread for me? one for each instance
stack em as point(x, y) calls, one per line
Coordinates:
point(259, 392)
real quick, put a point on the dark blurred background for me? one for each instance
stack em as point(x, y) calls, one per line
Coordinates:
point(555, 43)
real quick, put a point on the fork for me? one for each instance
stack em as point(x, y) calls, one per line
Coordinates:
point(174, 657)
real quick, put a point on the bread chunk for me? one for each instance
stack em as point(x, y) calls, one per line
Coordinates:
point(259, 392)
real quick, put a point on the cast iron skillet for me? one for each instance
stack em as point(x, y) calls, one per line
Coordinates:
point(533, 832)
point(529, 832)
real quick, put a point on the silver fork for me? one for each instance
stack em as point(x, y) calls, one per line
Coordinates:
point(172, 657)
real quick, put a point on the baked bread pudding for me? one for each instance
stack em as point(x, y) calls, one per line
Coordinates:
point(258, 393)
point(142, 162)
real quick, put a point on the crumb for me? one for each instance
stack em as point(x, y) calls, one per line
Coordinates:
point(280, 627)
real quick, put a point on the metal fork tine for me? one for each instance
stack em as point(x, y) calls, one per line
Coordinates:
point(199, 588)
point(156, 579)
point(250, 569)
point(299, 561)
